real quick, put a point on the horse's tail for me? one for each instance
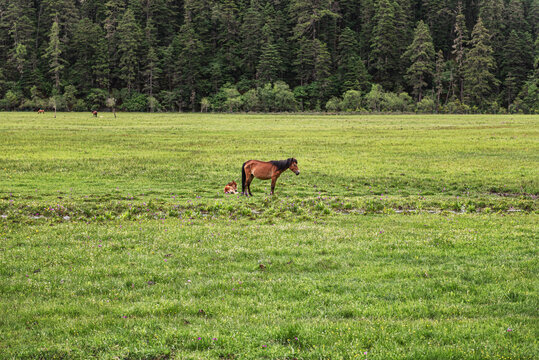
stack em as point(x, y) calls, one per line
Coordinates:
point(243, 177)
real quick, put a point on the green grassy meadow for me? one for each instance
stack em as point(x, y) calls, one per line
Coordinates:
point(404, 237)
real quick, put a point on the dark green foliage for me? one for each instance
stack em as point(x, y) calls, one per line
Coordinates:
point(188, 65)
point(270, 63)
point(90, 68)
point(458, 52)
point(493, 15)
point(517, 63)
point(439, 77)
point(53, 54)
point(253, 37)
point(387, 44)
point(135, 102)
point(312, 61)
point(178, 52)
point(18, 24)
point(421, 56)
point(479, 66)
point(352, 71)
point(129, 35)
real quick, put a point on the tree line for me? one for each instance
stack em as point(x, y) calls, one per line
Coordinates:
point(270, 55)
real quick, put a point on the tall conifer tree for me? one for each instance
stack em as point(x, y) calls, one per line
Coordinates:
point(88, 45)
point(517, 63)
point(189, 64)
point(253, 37)
point(352, 70)
point(387, 44)
point(313, 59)
point(459, 48)
point(438, 77)
point(129, 36)
point(270, 60)
point(479, 65)
point(421, 56)
point(20, 27)
point(53, 54)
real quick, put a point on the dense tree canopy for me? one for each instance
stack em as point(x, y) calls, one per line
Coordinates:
point(275, 55)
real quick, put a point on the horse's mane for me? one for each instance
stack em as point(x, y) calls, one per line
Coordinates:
point(283, 164)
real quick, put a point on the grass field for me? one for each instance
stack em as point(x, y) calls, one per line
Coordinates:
point(404, 237)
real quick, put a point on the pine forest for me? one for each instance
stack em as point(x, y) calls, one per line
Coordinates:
point(446, 56)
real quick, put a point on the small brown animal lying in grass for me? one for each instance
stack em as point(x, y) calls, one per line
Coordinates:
point(231, 188)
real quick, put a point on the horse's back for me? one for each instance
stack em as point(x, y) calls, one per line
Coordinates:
point(260, 169)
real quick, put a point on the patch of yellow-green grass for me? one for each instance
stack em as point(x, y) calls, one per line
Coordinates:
point(404, 237)
point(394, 286)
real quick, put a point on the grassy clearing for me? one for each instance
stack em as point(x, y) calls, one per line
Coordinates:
point(405, 237)
point(196, 155)
point(394, 286)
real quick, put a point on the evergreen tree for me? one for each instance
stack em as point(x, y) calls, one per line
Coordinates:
point(366, 29)
point(387, 44)
point(129, 39)
point(20, 27)
point(113, 12)
point(313, 59)
point(151, 72)
point(151, 60)
point(533, 17)
point(459, 47)
point(438, 77)
point(254, 38)
point(479, 63)
point(88, 43)
point(63, 12)
point(227, 50)
point(322, 61)
point(352, 70)
point(517, 63)
point(421, 55)
point(53, 54)
point(101, 66)
point(439, 16)
point(492, 13)
point(93, 10)
point(536, 60)
point(351, 11)
point(189, 64)
point(514, 17)
point(270, 60)
point(278, 20)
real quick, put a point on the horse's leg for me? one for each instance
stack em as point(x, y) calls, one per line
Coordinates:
point(246, 190)
point(249, 184)
point(244, 178)
point(273, 181)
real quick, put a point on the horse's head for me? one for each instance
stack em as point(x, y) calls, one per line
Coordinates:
point(293, 165)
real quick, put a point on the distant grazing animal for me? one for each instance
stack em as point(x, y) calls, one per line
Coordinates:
point(41, 111)
point(94, 113)
point(231, 188)
point(265, 171)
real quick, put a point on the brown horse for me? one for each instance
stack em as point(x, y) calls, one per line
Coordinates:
point(94, 113)
point(41, 111)
point(265, 171)
point(231, 188)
